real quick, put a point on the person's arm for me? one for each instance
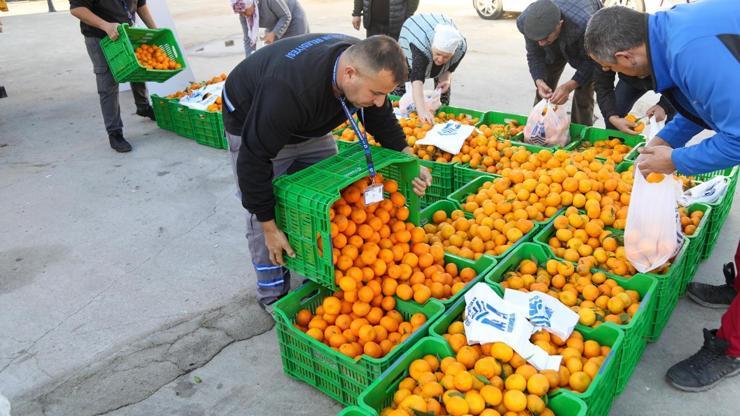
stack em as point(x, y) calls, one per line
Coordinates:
point(358, 8)
point(714, 94)
point(605, 97)
point(357, 14)
point(91, 19)
point(146, 16)
point(383, 125)
point(275, 114)
point(535, 54)
point(281, 9)
point(411, 7)
point(419, 64)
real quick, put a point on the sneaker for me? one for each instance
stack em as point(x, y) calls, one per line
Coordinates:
point(706, 368)
point(710, 296)
point(147, 111)
point(118, 143)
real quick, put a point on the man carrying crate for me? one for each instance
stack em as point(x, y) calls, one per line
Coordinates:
point(280, 106)
point(98, 19)
point(675, 48)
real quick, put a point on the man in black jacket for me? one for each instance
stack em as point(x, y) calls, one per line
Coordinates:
point(280, 106)
point(99, 19)
point(616, 102)
point(383, 17)
point(553, 33)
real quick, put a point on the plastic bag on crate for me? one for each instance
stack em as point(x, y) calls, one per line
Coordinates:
point(201, 98)
point(4, 406)
point(708, 192)
point(653, 232)
point(489, 318)
point(548, 125)
point(431, 98)
point(544, 311)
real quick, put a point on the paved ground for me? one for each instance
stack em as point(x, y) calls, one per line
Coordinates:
point(119, 274)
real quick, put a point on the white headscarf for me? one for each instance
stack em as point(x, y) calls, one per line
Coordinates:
point(446, 38)
point(253, 22)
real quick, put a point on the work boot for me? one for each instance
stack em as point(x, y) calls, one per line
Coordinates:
point(147, 111)
point(710, 296)
point(118, 143)
point(706, 368)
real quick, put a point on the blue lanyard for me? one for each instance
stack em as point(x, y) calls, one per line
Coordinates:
point(360, 136)
point(131, 16)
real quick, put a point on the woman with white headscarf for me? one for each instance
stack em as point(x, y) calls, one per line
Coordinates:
point(433, 47)
point(281, 19)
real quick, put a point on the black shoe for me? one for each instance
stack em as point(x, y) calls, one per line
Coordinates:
point(710, 296)
point(147, 111)
point(118, 143)
point(706, 368)
point(268, 304)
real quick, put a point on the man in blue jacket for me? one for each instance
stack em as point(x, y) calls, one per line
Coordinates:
point(692, 52)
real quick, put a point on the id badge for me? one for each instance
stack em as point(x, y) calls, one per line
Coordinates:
point(373, 194)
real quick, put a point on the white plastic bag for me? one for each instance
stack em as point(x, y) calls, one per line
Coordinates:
point(489, 318)
point(708, 192)
point(201, 98)
point(544, 311)
point(431, 98)
point(4, 406)
point(548, 125)
point(653, 232)
point(449, 136)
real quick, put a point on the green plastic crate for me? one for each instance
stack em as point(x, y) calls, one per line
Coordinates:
point(123, 63)
point(720, 209)
point(208, 128)
point(600, 394)
point(459, 110)
point(182, 120)
point(464, 175)
point(303, 199)
point(669, 283)
point(354, 411)
point(636, 331)
point(448, 206)
point(342, 144)
point(594, 134)
point(483, 266)
point(163, 108)
point(442, 182)
point(308, 360)
point(380, 394)
point(493, 117)
point(698, 244)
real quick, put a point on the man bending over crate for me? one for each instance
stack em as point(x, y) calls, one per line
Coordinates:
point(675, 47)
point(280, 106)
point(98, 19)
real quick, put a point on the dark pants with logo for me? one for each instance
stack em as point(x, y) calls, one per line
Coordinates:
point(274, 281)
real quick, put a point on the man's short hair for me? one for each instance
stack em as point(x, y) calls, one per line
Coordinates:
point(378, 53)
point(614, 29)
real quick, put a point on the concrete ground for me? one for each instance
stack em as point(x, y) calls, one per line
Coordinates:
point(124, 279)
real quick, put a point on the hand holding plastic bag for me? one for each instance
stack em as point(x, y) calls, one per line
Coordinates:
point(548, 125)
point(432, 99)
point(653, 232)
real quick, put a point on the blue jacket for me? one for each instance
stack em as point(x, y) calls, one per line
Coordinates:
point(693, 60)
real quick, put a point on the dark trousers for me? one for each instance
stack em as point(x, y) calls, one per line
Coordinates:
point(582, 110)
point(108, 88)
point(627, 95)
point(382, 28)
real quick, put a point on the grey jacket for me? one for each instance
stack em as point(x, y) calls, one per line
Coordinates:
point(283, 17)
point(400, 10)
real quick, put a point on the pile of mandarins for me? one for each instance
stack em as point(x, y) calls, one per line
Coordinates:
point(153, 57)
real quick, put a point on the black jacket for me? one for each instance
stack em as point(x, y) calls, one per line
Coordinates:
point(400, 10)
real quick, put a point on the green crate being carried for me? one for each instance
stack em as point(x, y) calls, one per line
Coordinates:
point(158, 48)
